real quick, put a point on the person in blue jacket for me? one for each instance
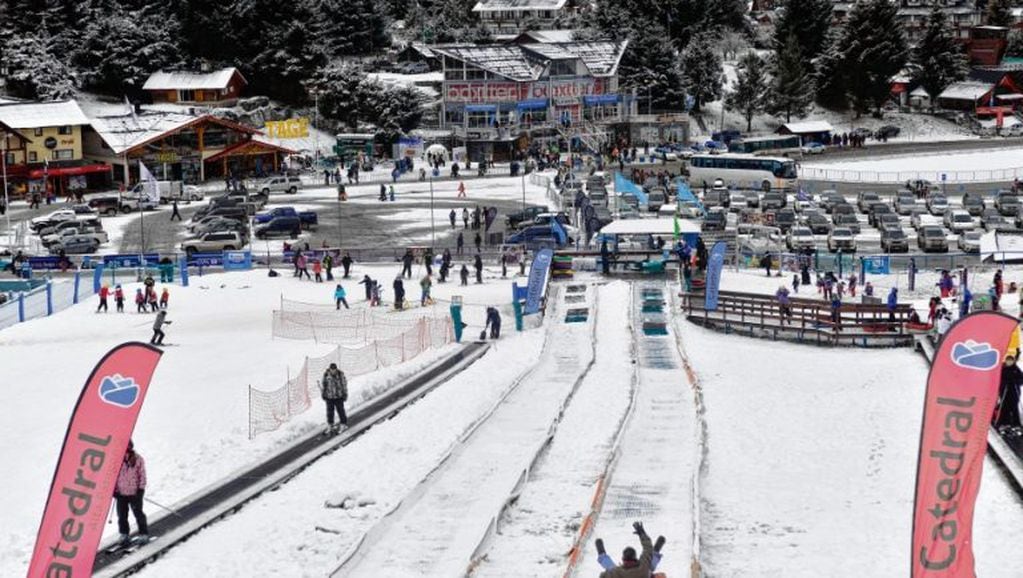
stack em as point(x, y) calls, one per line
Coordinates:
point(339, 297)
point(893, 303)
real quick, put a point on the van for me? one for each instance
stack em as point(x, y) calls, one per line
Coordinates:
point(168, 190)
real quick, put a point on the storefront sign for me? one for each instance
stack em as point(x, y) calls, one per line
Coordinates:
point(50, 142)
point(291, 128)
point(570, 89)
point(484, 92)
point(166, 157)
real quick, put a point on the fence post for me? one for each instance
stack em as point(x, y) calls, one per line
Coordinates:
point(49, 297)
point(21, 307)
point(183, 267)
point(78, 279)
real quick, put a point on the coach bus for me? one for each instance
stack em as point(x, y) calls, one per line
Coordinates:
point(766, 144)
point(743, 171)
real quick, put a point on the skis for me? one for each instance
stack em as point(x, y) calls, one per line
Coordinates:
point(133, 544)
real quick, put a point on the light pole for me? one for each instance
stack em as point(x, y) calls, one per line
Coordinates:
point(339, 220)
point(432, 234)
point(316, 120)
point(7, 201)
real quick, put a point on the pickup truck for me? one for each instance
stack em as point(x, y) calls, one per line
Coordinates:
point(99, 235)
point(280, 227)
point(526, 215)
point(309, 219)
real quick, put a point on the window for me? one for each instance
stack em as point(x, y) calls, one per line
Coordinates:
point(186, 95)
point(63, 154)
point(563, 68)
point(33, 157)
point(39, 132)
point(66, 129)
point(475, 74)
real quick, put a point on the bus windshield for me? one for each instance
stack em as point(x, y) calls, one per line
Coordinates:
point(784, 169)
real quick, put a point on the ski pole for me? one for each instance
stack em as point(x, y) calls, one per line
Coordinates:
point(162, 507)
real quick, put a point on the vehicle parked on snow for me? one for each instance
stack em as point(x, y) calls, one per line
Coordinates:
point(282, 184)
point(969, 241)
point(280, 227)
point(894, 240)
point(309, 219)
point(957, 221)
point(841, 239)
point(932, 239)
point(213, 243)
point(800, 237)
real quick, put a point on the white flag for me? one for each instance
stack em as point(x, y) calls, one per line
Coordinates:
point(150, 188)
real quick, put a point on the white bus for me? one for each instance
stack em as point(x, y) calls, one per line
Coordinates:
point(743, 171)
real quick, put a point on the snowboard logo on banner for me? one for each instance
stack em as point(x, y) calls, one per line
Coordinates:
point(973, 355)
point(119, 391)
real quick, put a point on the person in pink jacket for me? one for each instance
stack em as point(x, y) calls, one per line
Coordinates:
point(129, 491)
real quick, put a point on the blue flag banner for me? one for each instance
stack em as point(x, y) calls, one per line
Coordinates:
point(624, 185)
point(684, 193)
point(538, 279)
point(237, 260)
point(714, 266)
point(878, 265)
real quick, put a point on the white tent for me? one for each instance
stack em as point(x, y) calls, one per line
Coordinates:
point(438, 150)
point(649, 227)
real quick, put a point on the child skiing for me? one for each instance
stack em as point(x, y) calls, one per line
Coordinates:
point(317, 271)
point(119, 299)
point(339, 298)
point(140, 301)
point(158, 323)
point(104, 291)
point(164, 298)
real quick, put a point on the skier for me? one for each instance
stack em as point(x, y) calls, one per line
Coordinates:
point(461, 189)
point(464, 273)
point(129, 490)
point(158, 323)
point(301, 264)
point(383, 192)
point(478, 264)
point(428, 260)
point(406, 263)
point(478, 241)
point(452, 218)
point(317, 271)
point(328, 265)
point(852, 285)
point(154, 304)
point(335, 394)
point(631, 566)
point(346, 263)
point(140, 301)
point(445, 266)
point(765, 262)
point(459, 243)
point(164, 298)
point(399, 294)
point(836, 313)
point(465, 218)
point(391, 190)
point(605, 257)
point(795, 284)
point(119, 298)
point(104, 291)
point(369, 286)
point(174, 211)
point(339, 297)
point(493, 322)
point(424, 290)
point(1007, 411)
point(868, 289)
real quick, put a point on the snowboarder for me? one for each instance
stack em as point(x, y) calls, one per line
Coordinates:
point(335, 394)
point(174, 211)
point(119, 298)
point(339, 297)
point(369, 286)
point(406, 263)
point(478, 265)
point(452, 217)
point(424, 290)
point(346, 263)
point(104, 291)
point(129, 491)
point(158, 323)
point(631, 566)
point(164, 298)
point(459, 243)
point(464, 274)
point(399, 293)
point(493, 322)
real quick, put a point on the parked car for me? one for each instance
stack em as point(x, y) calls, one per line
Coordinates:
point(969, 241)
point(630, 200)
point(280, 227)
point(715, 220)
point(534, 237)
point(849, 221)
point(167, 190)
point(752, 199)
point(904, 203)
point(812, 148)
point(843, 209)
point(865, 199)
point(717, 198)
point(829, 199)
point(992, 220)
point(937, 204)
point(131, 203)
point(800, 238)
point(213, 243)
point(65, 233)
point(817, 223)
point(876, 210)
point(894, 240)
point(921, 219)
point(237, 213)
point(75, 245)
point(282, 184)
point(887, 131)
point(737, 201)
point(655, 200)
point(785, 219)
point(108, 205)
point(309, 219)
point(773, 200)
point(957, 221)
point(973, 204)
point(526, 215)
point(1007, 204)
point(931, 238)
point(598, 198)
point(841, 238)
point(687, 209)
point(887, 220)
point(52, 218)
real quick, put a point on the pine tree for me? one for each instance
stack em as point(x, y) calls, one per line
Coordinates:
point(1015, 47)
point(792, 84)
point(34, 71)
point(650, 67)
point(117, 53)
point(829, 77)
point(875, 50)
point(938, 58)
point(702, 71)
point(999, 13)
point(807, 20)
point(748, 97)
point(347, 27)
point(397, 110)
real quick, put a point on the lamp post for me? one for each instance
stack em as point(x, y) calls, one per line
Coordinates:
point(7, 201)
point(432, 233)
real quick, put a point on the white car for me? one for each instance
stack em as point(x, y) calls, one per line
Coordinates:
point(100, 235)
point(957, 221)
point(284, 184)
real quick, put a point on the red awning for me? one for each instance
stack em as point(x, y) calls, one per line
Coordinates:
point(69, 171)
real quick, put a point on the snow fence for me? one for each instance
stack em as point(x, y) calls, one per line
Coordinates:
point(268, 410)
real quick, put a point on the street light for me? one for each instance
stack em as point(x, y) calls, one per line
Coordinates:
point(7, 202)
point(432, 234)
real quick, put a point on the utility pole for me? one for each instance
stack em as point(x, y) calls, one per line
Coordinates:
point(433, 239)
point(7, 200)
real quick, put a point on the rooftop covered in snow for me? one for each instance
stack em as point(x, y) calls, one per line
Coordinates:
point(125, 132)
point(178, 80)
point(806, 127)
point(518, 5)
point(968, 90)
point(544, 36)
point(525, 62)
point(22, 115)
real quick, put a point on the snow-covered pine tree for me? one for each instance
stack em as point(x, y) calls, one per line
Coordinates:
point(938, 58)
point(999, 13)
point(809, 21)
point(875, 50)
point(701, 70)
point(346, 27)
point(34, 72)
point(791, 84)
point(747, 97)
point(117, 53)
point(829, 75)
point(650, 66)
point(1015, 47)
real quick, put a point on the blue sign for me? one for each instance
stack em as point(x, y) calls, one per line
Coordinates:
point(206, 260)
point(600, 99)
point(878, 265)
point(40, 263)
point(532, 104)
point(538, 279)
point(237, 260)
point(714, 266)
point(130, 260)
